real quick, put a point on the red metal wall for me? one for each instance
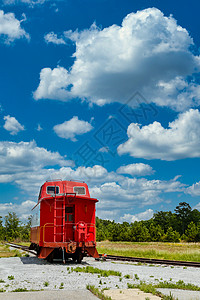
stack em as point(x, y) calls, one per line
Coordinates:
point(82, 209)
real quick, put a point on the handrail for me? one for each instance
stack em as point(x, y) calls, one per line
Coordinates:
point(43, 228)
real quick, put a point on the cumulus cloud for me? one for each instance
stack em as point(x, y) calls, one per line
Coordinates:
point(127, 193)
point(69, 129)
point(12, 125)
point(180, 140)
point(149, 53)
point(138, 169)
point(23, 209)
point(17, 158)
point(115, 192)
point(146, 215)
point(194, 189)
point(52, 37)
point(52, 84)
point(10, 27)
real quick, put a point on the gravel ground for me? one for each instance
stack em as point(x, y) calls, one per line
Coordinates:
point(32, 273)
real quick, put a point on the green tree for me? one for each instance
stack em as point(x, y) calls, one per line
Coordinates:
point(165, 219)
point(195, 216)
point(156, 232)
point(25, 230)
point(183, 213)
point(139, 232)
point(12, 226)
point(192, 233)
point(171, 236)
point(1, 229)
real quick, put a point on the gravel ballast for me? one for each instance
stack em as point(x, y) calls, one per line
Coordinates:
point(35, 274)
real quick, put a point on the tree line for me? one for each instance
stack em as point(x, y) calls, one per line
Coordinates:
point(165, 226)
point(12, 229)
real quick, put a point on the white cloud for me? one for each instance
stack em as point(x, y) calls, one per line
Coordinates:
point(194, 189)
point(17, 158)
point(29, 169)
point(23, 209)
point(12, 125)
point(197, 206)
point(138, 169)
point(10, 27)
point(127, 193)
point(39, 128)
point(146, 215)
point(69, 129)
point(53, 84)
point(148, 53)
point(181, 140)
point(52, 37)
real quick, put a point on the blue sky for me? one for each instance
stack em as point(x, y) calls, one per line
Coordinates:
point(101, 91)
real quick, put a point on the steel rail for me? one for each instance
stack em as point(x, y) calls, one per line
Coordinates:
point(21, 247)
point(152, 261)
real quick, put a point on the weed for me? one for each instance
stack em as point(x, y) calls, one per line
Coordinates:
point(20, 290)
point(136, 277)
point(11, 277)
point(127, 276)
point(178, 285)
point(27, 255)
point(147, 288)
point(97, 292)
point(46, 283)
point(105, 289)
point(2, 290)
point(104, 273)
point(2, 281)
point(100, 282)
point(61, 286)
point(120, 279)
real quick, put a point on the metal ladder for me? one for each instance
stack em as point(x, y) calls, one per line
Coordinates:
point(58, 216)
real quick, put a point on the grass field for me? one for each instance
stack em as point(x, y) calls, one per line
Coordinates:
point(171, 251)
point(6, 252)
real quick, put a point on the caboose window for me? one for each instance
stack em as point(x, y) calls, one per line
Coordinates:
point(80, 190)
point(51, 190)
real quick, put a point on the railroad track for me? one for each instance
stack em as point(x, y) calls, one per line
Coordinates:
point(21, 247)
point(153, 261)
point(127, 258)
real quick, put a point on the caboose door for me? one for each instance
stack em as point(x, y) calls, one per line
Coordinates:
point(69, 223)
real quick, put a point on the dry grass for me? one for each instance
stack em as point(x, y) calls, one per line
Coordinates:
point(6, 252)
point(173, 251)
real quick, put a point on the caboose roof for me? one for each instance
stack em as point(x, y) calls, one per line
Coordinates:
point(64, 188)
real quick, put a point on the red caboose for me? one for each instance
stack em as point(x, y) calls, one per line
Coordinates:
point(63, 223)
